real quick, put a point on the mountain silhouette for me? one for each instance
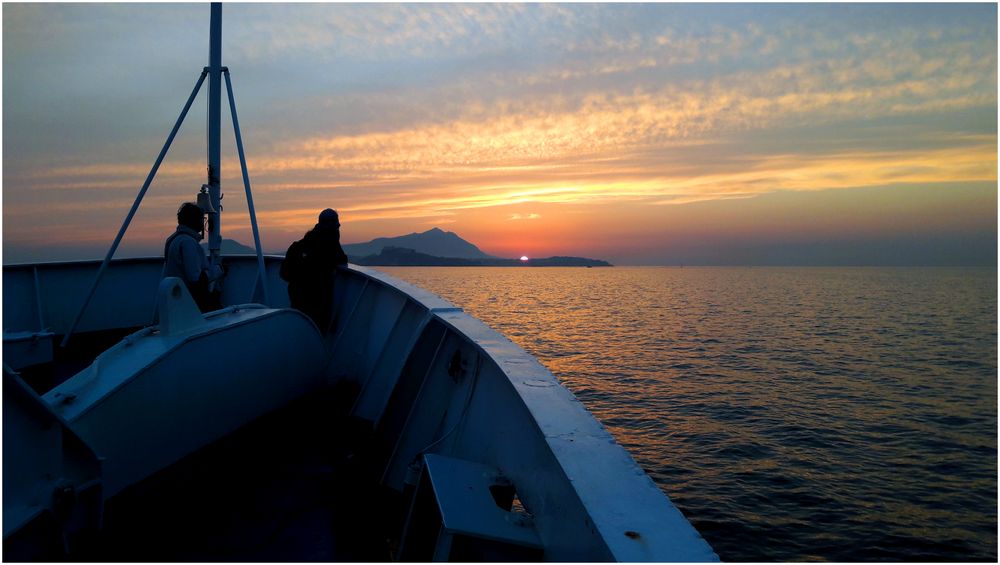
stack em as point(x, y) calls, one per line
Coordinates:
point(434, 247)
point(435, 242)
point(402, 257)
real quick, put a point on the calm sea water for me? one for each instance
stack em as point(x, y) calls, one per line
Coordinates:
point(791, 414)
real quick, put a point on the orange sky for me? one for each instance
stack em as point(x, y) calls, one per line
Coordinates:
point(623, 132)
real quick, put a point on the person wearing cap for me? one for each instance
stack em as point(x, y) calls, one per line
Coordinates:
point(185, 259)
point(309, 267)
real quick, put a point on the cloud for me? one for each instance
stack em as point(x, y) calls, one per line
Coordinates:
point(418, 113)
point(381, 31)
point(558, 151)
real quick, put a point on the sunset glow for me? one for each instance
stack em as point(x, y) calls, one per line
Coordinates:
point(632, 127)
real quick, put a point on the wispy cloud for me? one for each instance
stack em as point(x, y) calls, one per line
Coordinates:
point(419, 114)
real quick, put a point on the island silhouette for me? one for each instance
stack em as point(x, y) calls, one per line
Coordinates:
point(432, 248)
point(439, 248)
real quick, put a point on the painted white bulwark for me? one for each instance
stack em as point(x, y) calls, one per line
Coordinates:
point(500, 407)
point(429, 380)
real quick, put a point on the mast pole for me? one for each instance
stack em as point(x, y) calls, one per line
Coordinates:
point(214, 133)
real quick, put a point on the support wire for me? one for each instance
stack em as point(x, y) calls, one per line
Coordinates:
point(246, 184)
point(135, 207)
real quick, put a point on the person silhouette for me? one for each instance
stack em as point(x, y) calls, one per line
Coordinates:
point(309, 267)
point(185, 259)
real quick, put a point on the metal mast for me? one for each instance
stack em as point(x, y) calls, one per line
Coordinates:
point(212, 189)
point(214, 133)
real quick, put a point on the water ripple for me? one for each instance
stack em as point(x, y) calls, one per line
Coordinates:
point(791, 414)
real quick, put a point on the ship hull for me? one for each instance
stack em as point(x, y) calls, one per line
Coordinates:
point(443, 402)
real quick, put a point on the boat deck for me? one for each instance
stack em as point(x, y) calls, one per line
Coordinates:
point(288, 487)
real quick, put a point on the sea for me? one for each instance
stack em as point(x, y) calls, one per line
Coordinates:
point(792, 414)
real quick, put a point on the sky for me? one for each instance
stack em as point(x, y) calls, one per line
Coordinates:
point(642, 134)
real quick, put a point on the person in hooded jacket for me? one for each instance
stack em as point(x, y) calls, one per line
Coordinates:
point(185, 259)
point(309, 267)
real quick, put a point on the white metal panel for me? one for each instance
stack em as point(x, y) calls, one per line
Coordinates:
point(378, 386)
point(153, 398)
point(435, 411)
point(365, 330)
point(126, 297)
point(20, 312)
point(24, 349)
point(41, 455)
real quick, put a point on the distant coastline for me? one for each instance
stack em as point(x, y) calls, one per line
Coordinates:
point(404, 257)
point(438, 248)
point(433, 248)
